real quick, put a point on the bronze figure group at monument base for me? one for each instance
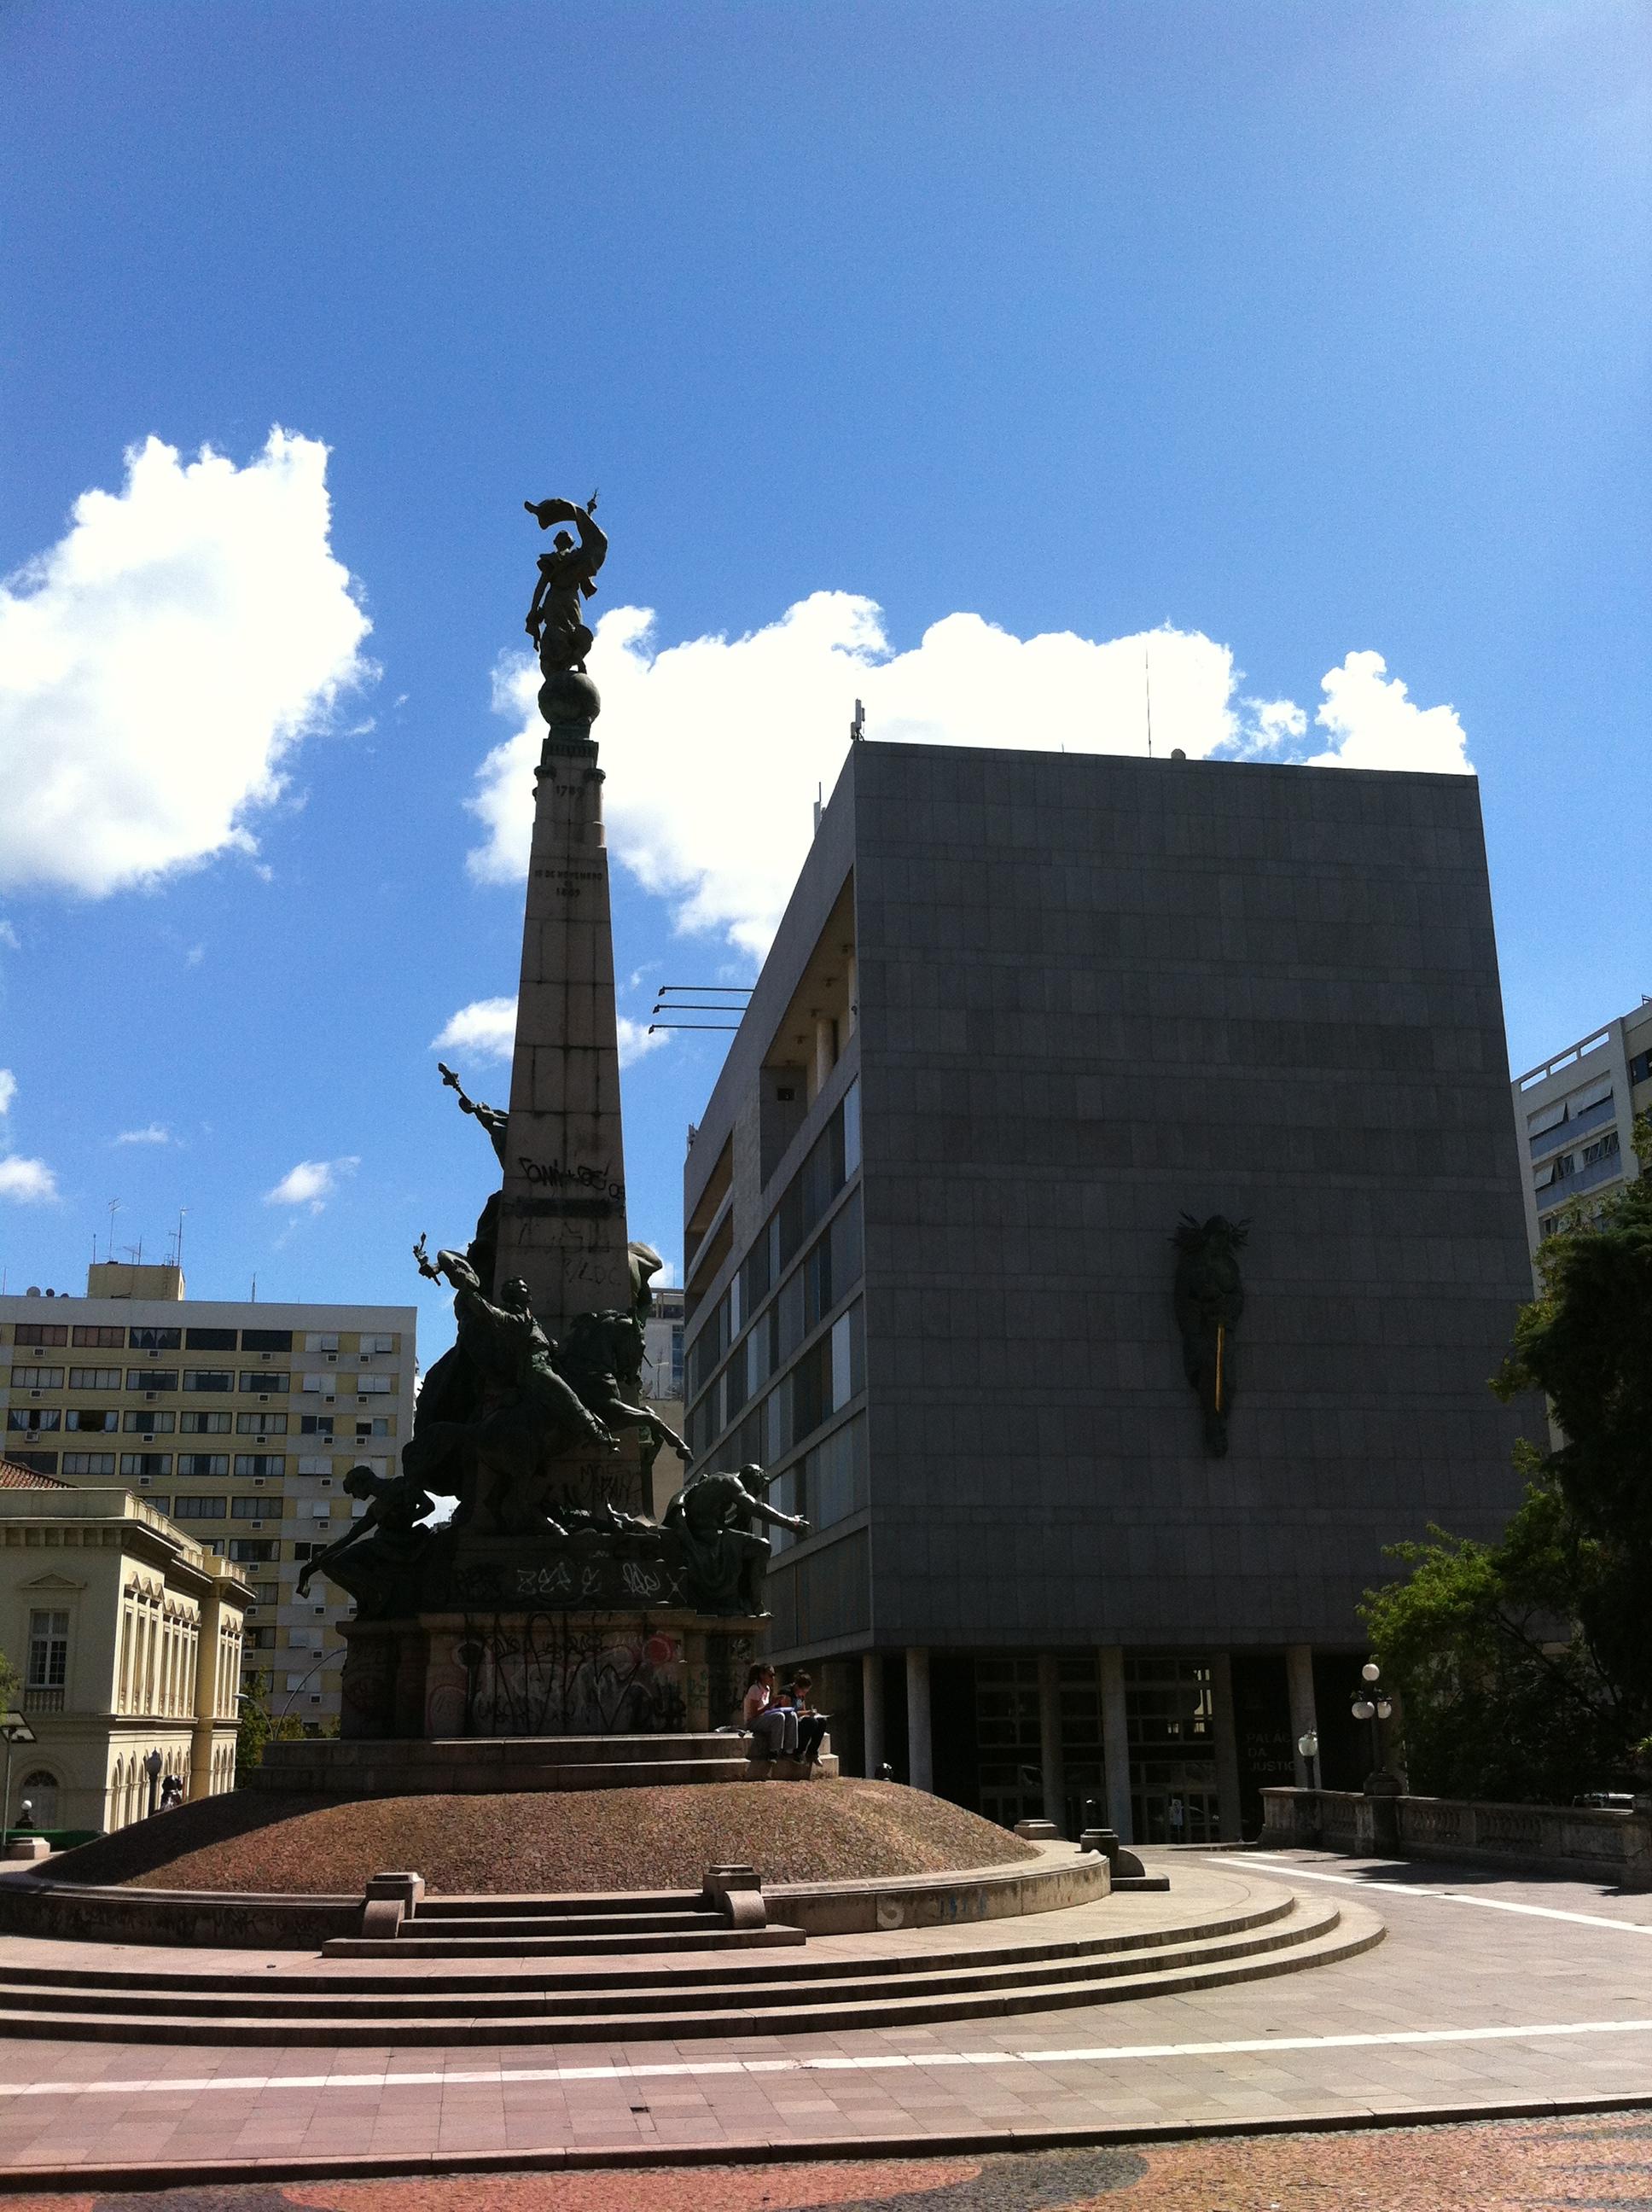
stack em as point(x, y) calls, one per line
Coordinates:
point(525, 1429)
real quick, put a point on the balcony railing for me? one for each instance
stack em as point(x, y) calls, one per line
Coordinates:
point(1606, 1168)
point(43, 1701)
point(1562, 1131)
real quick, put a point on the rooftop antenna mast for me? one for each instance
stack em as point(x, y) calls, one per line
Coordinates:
point(1147, 679)
point(109, 1246)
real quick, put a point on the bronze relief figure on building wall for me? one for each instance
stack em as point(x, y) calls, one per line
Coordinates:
point(1209, 1299)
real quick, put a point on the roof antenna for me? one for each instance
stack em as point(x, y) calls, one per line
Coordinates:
point(1147, 677)
point(858, 727)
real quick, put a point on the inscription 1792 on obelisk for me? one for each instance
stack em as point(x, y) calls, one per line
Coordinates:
point(562, 1225)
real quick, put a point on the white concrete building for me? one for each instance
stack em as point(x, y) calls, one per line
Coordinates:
point(1574, 1115)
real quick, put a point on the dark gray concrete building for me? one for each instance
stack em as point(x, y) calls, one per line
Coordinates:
point(1025, 1012)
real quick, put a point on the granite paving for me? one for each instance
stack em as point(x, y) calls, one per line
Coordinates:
point(1491, 1994)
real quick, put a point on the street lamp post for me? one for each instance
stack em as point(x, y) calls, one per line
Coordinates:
point(15, 1730)
point(1372, 1703)
point(1308, 1746)
point(152, 1768)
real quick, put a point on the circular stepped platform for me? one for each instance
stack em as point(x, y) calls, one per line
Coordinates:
point(1216, 1928)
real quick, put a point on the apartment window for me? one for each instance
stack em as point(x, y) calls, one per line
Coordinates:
point(198, 1509)
point(146, 1464)
point(326, 1383)
point(158, 1500)
point(97, 1337)
point(260, 1425)
point(210, 1339)
point(378, 1344)
point(100, 1419)
point(48, 1650)
point(379, 1426)
point(302, 1551)
point(375, 1386)
point(150, 1423)
point(1640, 1067)
point(154, 1339)
point(201, 1464)
point(37, 1378)
point(93, 1378)
point(266, 1593)
point(45, 1334)
point(316, 1341)
point(315, 1466)
point(261, 1464)
point(208, 1378)
point(315, 1424)
point(264, 1378)
point(254, 1508)
point(33, 1417)
point(151, 1379)
point(251, 1551)
point(38, 1462)
point(88, 1462)
point(1606, 1150)
point(204, 1424)
point(266, 1340)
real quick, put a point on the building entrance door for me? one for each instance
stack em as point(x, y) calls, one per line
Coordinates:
point(1179, 1815)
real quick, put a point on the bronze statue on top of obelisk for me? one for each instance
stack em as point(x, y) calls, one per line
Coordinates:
point(556, 619)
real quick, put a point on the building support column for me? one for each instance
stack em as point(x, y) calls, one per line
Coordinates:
point(872, 1713)
point(205, 1699)
point(1049, 1738)
point(1115, 1743)
point(921, 1763)
point(1227, 1745)
point(1304, 1713)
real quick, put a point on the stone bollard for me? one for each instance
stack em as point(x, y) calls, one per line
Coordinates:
point(28, 1847)
point(1106, 1841)
point(737, 1892)
point(1038, 1831)
point(390, 1899)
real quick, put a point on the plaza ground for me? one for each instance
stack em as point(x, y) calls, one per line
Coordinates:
point(1493, 1996)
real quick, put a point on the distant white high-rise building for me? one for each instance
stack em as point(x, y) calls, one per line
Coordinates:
point(1574, 1114)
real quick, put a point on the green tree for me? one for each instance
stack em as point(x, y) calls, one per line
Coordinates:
point(1525, 1666)
point(11, 1685)
point(256, 1726)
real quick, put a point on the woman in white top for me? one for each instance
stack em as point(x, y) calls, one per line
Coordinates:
point(774, 1728)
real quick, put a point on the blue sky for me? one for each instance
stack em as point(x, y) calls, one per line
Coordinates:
point(1285, 334)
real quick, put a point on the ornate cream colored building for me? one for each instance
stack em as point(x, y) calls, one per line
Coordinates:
point(128, 1639)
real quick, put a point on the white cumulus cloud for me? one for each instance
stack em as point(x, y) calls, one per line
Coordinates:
point(311, 1183)
point(8, 1090)
point(30, 1183)
point(159, 662)
point(718, 745)
point(9, 937)
point(154, 1134)
point(1375, 723)
point(487, 1029)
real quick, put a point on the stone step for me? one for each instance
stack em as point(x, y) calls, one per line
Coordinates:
point(820, 1965)
point(883, 2000)
point(522, 1943)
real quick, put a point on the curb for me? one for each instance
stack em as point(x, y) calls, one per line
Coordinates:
point(789, 2150)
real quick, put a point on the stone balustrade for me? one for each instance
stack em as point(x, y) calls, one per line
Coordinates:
point(1606, 1845)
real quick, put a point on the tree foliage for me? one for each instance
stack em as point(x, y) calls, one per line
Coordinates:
point(256, 1726)
point(11, 1685)
point(1525, 1666)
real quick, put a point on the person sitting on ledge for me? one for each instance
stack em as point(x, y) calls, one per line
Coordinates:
point(811, 1725)
point(773, 1726)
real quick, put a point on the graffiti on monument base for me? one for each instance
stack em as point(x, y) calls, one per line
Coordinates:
point(542, 1674)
